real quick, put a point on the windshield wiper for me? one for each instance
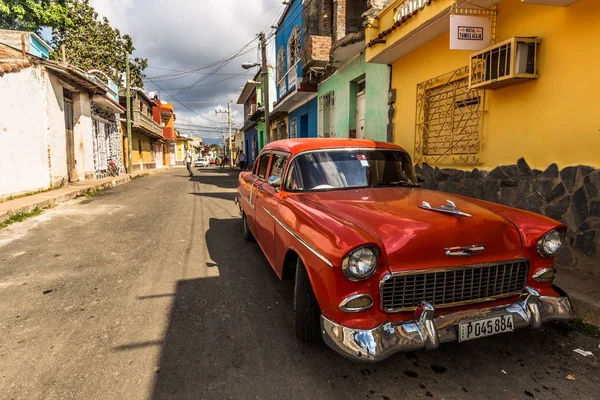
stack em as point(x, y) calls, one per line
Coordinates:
point(398, 183)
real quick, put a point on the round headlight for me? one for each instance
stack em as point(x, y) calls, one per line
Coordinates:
point(360, 263)
point(549, 245)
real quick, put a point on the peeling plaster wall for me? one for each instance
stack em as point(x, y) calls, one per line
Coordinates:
point(23, 133)
point(84, 135)
point(56, 131)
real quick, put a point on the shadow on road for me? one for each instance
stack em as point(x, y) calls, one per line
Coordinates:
point(232, 336)
point(217, 195)
point(223, 178)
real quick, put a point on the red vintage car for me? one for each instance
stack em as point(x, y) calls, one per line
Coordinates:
point(383, 266)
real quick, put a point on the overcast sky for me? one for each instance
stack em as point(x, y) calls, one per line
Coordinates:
point(185, 34)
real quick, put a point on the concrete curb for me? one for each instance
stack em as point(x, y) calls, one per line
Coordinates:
point(47, 200)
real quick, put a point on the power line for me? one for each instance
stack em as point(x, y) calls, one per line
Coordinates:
point(175, 98)
point(216, 70)
point(210, 65)
point(212, 83)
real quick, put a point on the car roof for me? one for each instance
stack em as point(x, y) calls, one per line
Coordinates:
point(295, 146)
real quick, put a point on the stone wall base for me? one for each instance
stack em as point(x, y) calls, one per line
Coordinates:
point(570, 195)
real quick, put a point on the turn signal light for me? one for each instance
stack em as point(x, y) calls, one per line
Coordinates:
point(544, 275)
point(356, 303)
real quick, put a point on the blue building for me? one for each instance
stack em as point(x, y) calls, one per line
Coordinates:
point(253, 129)
point(295, 111)
point(28, 41)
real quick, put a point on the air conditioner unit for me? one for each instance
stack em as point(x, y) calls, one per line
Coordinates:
point(505, 63)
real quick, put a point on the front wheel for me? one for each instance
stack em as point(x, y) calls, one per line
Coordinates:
point(246, 234)
point(307, 314)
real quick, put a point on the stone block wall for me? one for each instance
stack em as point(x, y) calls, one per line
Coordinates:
point(570, 195)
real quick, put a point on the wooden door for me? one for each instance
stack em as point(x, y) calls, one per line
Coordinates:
point(69, 125)
point(360, 115)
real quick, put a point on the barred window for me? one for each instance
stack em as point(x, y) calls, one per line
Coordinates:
point(293, 128)
point(326, 108)
point(294, 48)
point(449, 118)
point(280, 63)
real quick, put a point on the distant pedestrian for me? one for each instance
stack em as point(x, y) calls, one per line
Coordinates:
point(188, 160)
point(242, 160)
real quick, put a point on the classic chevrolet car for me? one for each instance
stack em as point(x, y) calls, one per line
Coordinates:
point(382, 265)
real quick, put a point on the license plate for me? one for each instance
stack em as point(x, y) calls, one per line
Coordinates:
point(485, 327)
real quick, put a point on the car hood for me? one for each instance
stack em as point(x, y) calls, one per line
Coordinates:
point(413, 238)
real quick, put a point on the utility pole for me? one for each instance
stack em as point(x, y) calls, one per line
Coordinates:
point(229, 123)
point(230, 144)
point(265, 85)
point(128, 104)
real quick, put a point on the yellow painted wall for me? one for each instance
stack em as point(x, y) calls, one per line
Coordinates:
point(555, 118)
point(146, 151)
point(180, 149)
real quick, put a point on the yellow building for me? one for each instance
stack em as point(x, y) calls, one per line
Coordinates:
point(500, 97)
point(180, 148)
point(147, 142)
point(547, 119)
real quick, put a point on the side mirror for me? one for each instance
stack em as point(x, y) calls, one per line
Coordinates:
point(420, 178)
point(275, 181)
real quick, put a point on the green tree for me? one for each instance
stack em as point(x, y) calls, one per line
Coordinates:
point(30, 15)
point(91, 43)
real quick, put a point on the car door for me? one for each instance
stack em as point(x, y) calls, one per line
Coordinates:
point(267, 202)
point(260, 181)
point(252, 182)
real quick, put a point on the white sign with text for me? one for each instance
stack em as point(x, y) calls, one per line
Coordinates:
point(469, 32)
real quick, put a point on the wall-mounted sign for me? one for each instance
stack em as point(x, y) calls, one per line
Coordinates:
point(408, 8)
point(469, 32)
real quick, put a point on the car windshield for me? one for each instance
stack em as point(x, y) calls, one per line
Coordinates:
point(339, 169)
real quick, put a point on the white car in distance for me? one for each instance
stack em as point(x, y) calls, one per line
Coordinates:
point(202, 162)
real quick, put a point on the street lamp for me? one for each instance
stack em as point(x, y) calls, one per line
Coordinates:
point(264, 71)
point(248, 65)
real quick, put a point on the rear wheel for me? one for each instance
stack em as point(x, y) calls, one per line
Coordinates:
point(246, 234)
point(307, 314)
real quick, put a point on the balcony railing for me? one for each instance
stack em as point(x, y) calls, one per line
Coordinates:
point(251, 110)
point(147, 124)
point(288, 81)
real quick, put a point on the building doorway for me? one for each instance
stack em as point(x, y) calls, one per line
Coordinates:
point(70, 135)
point(172, 153)
point(361, 102)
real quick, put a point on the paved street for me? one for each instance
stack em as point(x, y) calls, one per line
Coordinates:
point(148, 291)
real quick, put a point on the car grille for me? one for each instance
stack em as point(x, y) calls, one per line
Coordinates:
point(450, 287)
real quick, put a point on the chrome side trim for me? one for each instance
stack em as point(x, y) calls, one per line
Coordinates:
point(427, 331)
point(348, 299)
point(247, 199)
point(298, 238)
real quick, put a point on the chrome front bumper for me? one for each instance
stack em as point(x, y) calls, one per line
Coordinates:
point(427, 331)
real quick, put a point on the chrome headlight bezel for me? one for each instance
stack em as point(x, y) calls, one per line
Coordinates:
point(347, 267)
point(553, 235)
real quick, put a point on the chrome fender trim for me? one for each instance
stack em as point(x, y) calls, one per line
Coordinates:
point(298, 238)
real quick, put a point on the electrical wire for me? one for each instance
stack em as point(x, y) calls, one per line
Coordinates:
point(207, 66)
point(184, 106)
point(216, 70)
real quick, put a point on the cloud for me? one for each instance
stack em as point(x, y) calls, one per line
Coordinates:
point(186, 34)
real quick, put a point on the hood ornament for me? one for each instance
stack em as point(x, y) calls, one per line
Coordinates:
point(448, 208)
point(465, 250)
